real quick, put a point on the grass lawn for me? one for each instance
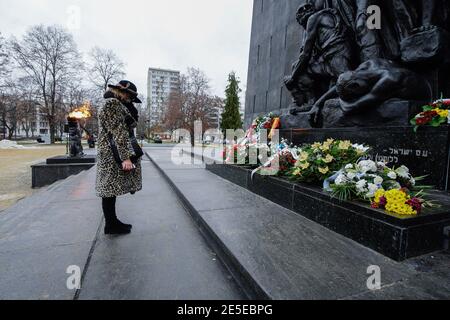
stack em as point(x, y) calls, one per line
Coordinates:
point(15, 171)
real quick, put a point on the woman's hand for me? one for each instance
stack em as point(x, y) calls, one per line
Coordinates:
point(127, 165)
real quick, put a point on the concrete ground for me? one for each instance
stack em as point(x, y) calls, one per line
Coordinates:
point(165, 257)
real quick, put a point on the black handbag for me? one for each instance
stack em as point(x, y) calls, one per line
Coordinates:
point(138, 152)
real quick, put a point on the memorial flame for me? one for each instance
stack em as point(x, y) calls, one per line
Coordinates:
point(82, 112)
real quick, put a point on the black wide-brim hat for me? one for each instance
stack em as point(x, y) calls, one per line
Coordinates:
point(128, 87)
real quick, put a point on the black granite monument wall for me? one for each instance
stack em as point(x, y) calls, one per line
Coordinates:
point(275, 41)
point(359, 83)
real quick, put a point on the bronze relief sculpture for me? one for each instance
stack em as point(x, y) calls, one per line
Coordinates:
point(361, 69)
point(326, 53)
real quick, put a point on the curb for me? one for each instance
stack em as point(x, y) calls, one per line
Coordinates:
point(251, 288)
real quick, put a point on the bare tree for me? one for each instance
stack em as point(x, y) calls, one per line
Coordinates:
point(10, 108)
point(50, 57)
point(28, 107)
point(28, 117)
point(193, 102)
point(175, 118)
point(4, 72)
point(4, 59)
point(143, 122)
point(104, 67)
point(4, 111)
point(72, 96)
point(18, 107)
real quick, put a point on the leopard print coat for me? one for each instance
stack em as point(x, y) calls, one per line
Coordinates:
point(111, 180)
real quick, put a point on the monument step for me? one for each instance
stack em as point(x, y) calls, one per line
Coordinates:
point(397, 237)
point(275, 253)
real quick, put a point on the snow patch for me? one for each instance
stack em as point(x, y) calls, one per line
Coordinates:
point(8, 144)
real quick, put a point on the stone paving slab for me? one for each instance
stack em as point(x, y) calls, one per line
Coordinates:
point(40, 273)
point(164, 257)
point(147, 271)
point(60, 223)
point(41, 236)
point(290, 257)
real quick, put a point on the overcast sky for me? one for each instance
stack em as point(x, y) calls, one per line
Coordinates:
point(213, 35)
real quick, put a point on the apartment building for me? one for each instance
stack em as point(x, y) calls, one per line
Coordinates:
point(160, 83)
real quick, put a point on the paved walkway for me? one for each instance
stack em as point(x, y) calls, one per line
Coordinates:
point(165, 257)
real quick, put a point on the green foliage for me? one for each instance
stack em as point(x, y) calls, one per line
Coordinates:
point(231, 117)
point(344, 192)
point(437, 121)
point(427, 108)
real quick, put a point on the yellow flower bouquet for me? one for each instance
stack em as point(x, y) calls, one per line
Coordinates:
point(319, 160)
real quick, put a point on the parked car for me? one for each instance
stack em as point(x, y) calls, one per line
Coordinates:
point(157, 140)
point(91, 141)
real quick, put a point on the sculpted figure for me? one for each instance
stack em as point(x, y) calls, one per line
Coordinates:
point(421, 29)
point(371, 84)
point(326, 53)
point(410, 15)
point(76, 148)
point(368, 40)
point(354, 14)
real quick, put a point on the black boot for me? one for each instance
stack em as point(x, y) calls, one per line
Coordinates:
point(116, 229)
point(129, 226)
point(112, 224)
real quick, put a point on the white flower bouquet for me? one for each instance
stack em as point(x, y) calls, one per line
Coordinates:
point(392, 189)
point(364, 178)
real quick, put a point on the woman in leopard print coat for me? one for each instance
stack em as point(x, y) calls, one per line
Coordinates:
point(119, 117)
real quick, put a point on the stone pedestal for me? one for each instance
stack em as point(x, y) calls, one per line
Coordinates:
point(86, 159)
point(397, 237)
point(59, 168)
point(393, 112)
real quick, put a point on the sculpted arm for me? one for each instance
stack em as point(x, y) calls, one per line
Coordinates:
point(308, 46)
point(316, 111)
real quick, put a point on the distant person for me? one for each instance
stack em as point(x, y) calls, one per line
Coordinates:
point(91, 141)
point(118, 170)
